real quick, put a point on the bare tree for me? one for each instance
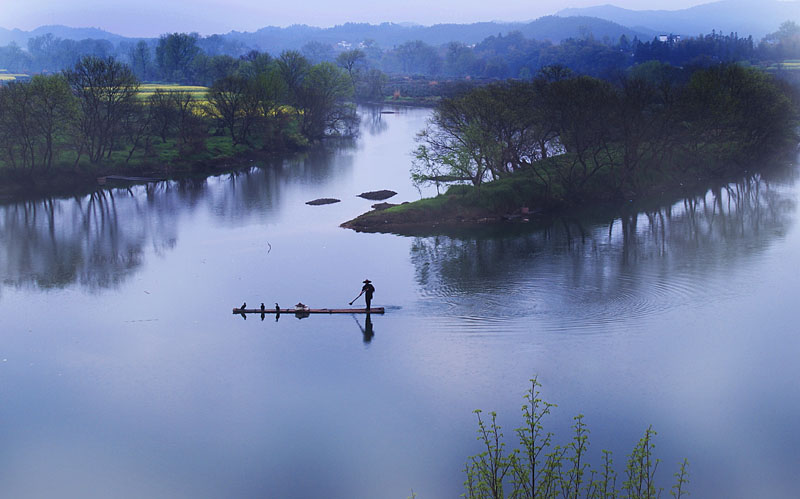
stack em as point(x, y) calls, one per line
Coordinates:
point(106, 92)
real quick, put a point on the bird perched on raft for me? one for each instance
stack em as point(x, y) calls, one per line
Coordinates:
point(262, 307)
point(244, 305)
point(277, 308)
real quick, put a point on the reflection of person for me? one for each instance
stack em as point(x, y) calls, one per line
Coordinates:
point(367, 290)
point(368, 333)
point(367, 329)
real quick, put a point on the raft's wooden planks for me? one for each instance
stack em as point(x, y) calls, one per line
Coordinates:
point(373, 310)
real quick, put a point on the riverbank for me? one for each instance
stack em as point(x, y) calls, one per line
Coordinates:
point(521, 198)
point(65, 179)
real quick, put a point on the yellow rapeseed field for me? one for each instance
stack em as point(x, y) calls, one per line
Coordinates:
point(198, 92)
point(5, 76)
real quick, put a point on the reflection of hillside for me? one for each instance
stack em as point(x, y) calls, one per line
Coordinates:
point(632, 262)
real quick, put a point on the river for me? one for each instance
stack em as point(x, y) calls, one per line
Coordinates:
point(123, 372)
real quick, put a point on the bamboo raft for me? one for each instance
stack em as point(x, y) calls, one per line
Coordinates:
point(373, 310)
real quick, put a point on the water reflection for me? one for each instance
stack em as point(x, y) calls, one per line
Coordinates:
point(53, 243)
point(367, 331)
point(373, 121)
point(630, 265)
point(99, 240)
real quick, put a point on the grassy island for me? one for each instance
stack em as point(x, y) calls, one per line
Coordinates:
point(562, 142)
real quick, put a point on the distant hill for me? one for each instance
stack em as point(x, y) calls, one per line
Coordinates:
point(745, 17)
point(65, 32)
point(386, 35)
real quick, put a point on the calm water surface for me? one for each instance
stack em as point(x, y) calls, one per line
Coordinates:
point(124, 374)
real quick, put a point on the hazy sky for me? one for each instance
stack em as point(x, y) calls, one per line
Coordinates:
point(153, 17)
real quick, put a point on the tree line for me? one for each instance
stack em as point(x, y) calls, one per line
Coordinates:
point(577, 137)
point(191, 59)
point(94, 113)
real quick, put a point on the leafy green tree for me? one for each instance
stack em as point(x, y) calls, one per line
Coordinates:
point(233, 104)
point(579, 109)
point(373, 85)
point(644, 125)
point(164, 111)
point(459, 60)
point(13, 58)
point(352, 61)
point(44, 50)
point(317, 52)
point(323, 103)
point(294, 68)
point(255, 63)
point(35, 119)
point(736, 111)
point(268, 88)
point(782, 44)
point(207, 70)
point(54, 110)
point(174, 55)
point(141, 60)
point(16, 128)
point(417, 57)
point(488, 132)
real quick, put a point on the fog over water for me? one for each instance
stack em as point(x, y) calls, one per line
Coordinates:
point(123, 372)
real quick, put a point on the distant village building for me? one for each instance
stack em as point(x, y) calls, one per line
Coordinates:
point(671, 39)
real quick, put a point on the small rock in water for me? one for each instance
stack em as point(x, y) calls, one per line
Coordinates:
point(377, 195)
point(321, 201)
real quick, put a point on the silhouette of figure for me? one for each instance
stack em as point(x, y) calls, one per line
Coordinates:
point(367, 290)
point(262, 307)
point(244, 305)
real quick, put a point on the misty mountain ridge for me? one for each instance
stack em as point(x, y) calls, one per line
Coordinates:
point(602, 22)
point(386, 35)
point(21, 37)
point(744, 17)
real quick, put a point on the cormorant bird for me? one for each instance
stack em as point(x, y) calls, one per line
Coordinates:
point(262, 307)
point(244, 305)
point(277, 308)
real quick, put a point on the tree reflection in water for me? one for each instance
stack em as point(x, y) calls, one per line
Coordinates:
point(54, 243)
point(99, 240)
point(634, 263)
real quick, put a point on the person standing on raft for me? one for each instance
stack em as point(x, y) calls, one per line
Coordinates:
point(367, 290)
